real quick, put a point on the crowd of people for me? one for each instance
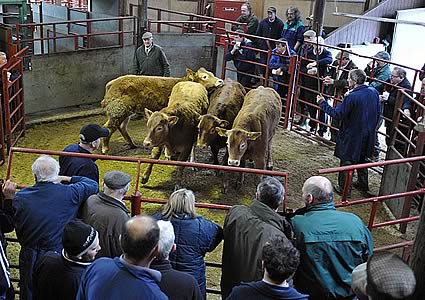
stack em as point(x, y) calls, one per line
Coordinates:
point(90, 248)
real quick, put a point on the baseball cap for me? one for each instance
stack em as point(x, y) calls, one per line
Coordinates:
point(92, 132)
point(116, 180)
point(78, 238)
point(271, 9)
point(146, 35)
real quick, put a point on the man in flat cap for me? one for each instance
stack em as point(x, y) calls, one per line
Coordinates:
point(150, 59)
point(106, 212)
point(90, 135)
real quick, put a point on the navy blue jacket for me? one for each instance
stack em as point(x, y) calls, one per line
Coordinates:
point(113, 279)
point(276, 62)
point(41, 212)
point(259, 290)
point(324, 59)
point(359, 114)
point(246, 54)
point(389, 105)
point(293, 33)
point(77, 166)
point(194, 238)
point(271, 30)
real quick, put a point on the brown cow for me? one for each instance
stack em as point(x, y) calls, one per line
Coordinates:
point(130, 94)
point(174, 127)
point(225, 103)
point(253, 129)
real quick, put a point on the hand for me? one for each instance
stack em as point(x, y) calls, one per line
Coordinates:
point(382, 98)
point(312, 71)
point(320, 99)
point(311, 65)
point(406, 112)
point(62, 178)
point(9, 189)
point(328, 80)
point(237, 46)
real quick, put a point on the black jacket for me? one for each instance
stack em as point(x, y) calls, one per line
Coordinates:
point(271, 30)
point(155, 63)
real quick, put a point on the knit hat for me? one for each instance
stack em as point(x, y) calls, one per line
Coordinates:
point(91, 132)
point(78, 238)
point(382, 55)
point(389, 276)
point(116, 180)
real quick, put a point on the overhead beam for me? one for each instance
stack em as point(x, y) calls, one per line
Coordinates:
point(378, 19)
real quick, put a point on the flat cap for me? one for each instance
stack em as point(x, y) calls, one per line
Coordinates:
point(116, 180)
point(382, 55)
point(146, 35)
point(388, 276)
point(271, 9)
point(310, 33)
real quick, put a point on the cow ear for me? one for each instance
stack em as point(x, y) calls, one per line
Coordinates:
point(172, 120)
point(253, 135)
point(223, 124)
point(190, 74)
point(221, 131)
point(148, 113)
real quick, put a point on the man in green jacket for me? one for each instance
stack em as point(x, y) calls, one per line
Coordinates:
point(150, 59)
point(246, 230)
point(332, 243)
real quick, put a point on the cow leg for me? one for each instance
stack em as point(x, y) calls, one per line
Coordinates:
point(124, 132)
point(112, 126)
point(269, 156)
point(241, 178)
point(182, 156)
point(260, 163)
point(214, 149)
point(155, 154)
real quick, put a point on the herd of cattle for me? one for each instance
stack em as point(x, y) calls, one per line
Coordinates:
point(198, 108)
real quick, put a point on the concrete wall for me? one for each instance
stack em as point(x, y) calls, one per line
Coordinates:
point(109, 7)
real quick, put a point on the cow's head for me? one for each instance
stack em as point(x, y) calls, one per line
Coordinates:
point(207, 129)
point(159, 125)
point(237, 143)
point(204, 77)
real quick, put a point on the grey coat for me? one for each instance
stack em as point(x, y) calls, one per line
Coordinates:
point(155, 63)
point(108, 216)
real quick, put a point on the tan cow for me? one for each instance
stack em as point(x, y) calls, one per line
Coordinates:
point(174, 127)
point(225, 103)
point(131, 94)
point(253, 129)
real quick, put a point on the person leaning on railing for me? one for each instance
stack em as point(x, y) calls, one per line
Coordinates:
point(279, 66)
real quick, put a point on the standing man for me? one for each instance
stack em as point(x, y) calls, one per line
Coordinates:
point(57, 276)
point(271, 27)
point(237, 54)
point(332, 243)
point(41, 212)
point(293, 29)
point(128, 276)
point(107, 212)
point(248, 17)
point(150, 59)
point(90, 135)
point(246, 230)
point(359, 115)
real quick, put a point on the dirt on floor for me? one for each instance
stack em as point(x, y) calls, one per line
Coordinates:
point(292, 153)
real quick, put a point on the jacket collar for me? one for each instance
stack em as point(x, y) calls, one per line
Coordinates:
point(322, 206)
point(161, 265)
point(266, 214)
point(137, 271)
point(112, 201)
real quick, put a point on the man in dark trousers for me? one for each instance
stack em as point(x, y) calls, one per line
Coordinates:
point(175, 284)
point(150, 59)
point(359, 115)
point(90, 135)
point(58, 275)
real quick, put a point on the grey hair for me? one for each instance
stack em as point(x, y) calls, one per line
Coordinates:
point(270, 192)
point(358, 76)
point(3, 55)
point(181, 201)
point(122, 191)
point(45, 168)
point(321, 191)
point(166, 238)
point(400, 72)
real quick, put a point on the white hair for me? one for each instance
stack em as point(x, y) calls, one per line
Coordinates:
point(45, 168)
point(166, 238)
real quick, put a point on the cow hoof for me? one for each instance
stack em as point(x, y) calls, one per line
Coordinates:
point(145, 179)
point(132, 146)
point(270, 168)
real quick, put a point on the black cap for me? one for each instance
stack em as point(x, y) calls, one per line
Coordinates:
point(92, 132)
point(78, 238)
point(116, 179)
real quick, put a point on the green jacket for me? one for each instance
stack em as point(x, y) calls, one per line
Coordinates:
point(251, 24)
point(246, 230)
point(332, 243)
point(154, 63)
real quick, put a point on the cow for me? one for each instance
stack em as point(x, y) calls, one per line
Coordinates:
point(225, 103)
point(174, 127)
point(253, 129)
point(131, 94)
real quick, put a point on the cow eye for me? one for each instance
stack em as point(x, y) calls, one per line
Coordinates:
point(212, 131)
point(159, 128)
point(204, 77)
point(243, 146)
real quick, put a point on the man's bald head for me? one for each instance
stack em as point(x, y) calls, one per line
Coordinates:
point(139, 237)
point(317, 189)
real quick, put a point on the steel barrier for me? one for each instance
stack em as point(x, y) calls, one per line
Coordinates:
point(77, 4)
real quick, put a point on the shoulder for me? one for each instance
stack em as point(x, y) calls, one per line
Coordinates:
point(71, 148)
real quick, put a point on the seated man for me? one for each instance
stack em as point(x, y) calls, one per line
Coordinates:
point(175, 284)
point(57, 276)
point(332, 243)
point(237, 54)
point(107, 212)
point(128, 276)
point(279, 66)
point(280, 260)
